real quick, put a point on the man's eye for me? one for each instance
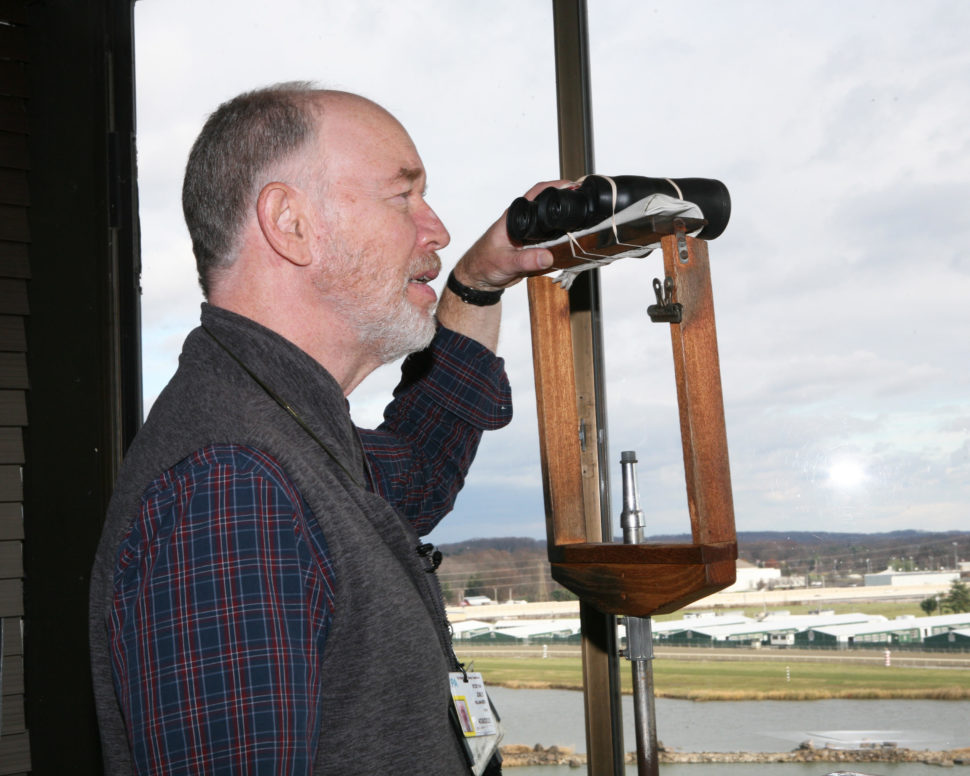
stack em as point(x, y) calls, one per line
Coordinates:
point(409, 194)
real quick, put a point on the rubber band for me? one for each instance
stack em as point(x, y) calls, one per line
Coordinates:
point(596, 257)
point(655, 204)
point(680, 194)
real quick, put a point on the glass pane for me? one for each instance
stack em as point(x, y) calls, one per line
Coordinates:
point(839, 136)
point(841, 283)
point(474, 85)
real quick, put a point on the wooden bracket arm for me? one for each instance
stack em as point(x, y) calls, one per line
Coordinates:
point(642, 579)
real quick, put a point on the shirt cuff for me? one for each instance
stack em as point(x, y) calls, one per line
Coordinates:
point(464, 377)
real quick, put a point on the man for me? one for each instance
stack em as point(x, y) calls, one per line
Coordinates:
point(260, 600)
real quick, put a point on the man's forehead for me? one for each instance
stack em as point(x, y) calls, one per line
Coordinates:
point(379, 152)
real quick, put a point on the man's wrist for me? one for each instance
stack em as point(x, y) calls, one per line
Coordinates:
point(474, 296)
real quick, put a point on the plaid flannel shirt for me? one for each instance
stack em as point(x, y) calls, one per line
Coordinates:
point(224, 585)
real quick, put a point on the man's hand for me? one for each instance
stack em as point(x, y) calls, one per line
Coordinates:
point(493, 262)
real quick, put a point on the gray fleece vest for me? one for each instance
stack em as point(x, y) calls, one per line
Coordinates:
point(389, 631)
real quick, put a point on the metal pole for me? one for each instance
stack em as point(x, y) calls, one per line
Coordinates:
point(601, 678)
point(639, 635)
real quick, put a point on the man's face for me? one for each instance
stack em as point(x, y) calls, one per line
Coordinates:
point(379, 247)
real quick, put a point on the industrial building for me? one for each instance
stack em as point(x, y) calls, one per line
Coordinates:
point(902, 630)
point(824, 629)
point(953, 639)
point(751, 577)
point(775, 629)
point(911, 578)
point(526, 631)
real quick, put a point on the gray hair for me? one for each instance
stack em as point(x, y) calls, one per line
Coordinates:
point(239, 142)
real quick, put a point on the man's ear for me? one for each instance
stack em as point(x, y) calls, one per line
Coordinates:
point(284, 221)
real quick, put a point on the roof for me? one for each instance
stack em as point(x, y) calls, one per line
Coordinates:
point(860, 629)
point(771, 624)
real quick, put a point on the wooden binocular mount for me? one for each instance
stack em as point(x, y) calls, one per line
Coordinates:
point(637, 579)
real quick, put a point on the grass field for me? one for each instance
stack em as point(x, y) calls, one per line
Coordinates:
point(754, 680)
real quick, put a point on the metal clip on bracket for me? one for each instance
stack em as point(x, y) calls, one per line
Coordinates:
point(666, 310)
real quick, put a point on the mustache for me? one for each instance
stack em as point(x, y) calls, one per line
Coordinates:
point(426, 264)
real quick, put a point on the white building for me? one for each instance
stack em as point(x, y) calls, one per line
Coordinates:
point(911, 578)
point(467, 629)
point(750, 577)
point(776, 629)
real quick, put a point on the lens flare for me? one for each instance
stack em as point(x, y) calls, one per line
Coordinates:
point(846, 473)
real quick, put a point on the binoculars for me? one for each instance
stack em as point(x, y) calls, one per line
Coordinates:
point(557, 211)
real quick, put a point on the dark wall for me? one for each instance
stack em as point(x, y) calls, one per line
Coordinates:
point(82, 349)
point(14, 274)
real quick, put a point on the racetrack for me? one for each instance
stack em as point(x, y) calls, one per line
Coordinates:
point(899, 658)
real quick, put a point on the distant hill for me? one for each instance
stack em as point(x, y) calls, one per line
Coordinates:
point(517, 567)
point(787, 544)
point(504, 543)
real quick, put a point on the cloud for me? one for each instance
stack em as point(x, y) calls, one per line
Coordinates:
point(840, 285)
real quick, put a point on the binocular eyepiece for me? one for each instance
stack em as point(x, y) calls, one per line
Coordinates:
point(557, 211)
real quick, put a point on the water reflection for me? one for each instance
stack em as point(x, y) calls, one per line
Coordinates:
point(768, 769)
point(555, 717)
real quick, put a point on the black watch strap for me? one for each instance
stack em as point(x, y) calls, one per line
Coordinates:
point(473, 295)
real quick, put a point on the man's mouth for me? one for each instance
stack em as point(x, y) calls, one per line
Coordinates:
point(422, 273)
point(425, 274)
point(425, 277)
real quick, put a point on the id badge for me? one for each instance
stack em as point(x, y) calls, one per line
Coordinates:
point(476, 718)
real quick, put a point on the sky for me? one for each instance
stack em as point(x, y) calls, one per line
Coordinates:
point(841, 285)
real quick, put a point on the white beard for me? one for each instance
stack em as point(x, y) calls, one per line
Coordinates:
point(402, 329)
point(384, 321)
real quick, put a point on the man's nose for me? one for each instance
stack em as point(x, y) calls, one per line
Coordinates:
point(432, 232)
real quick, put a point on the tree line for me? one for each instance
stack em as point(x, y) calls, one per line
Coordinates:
point(957, 600)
